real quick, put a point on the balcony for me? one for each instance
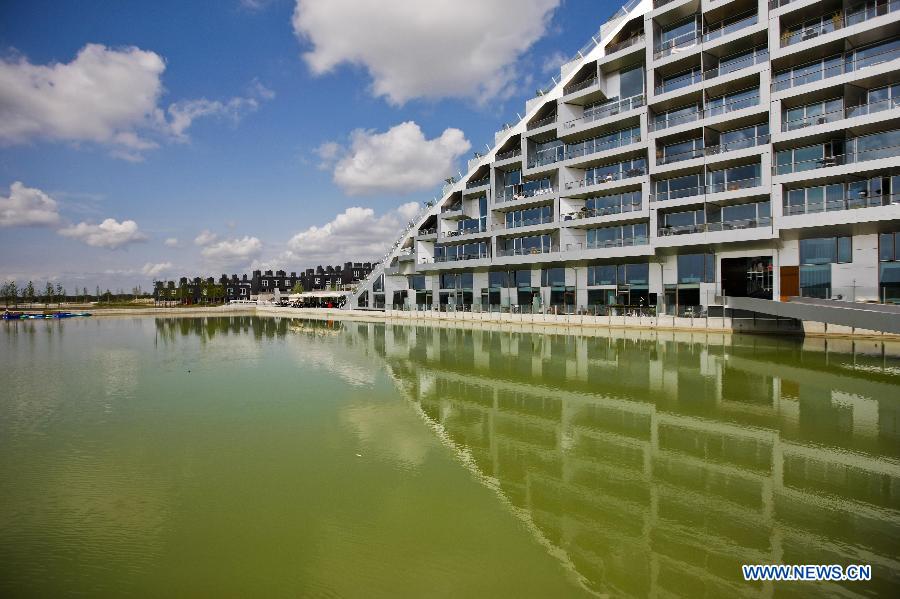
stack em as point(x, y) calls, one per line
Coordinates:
point(632, 41)
point(677, 44)
point(547, 156)
point(577, 87)
point(584, 213)
point(427, 232)
point(679, 82)
point(507, 155)
point(669, 158)
point(841, 64)
point(512, 196)
point(608, 109)
point(836, 160)
point(525, 222)
point(479, 228)
point(542, 122)
point(726, 26)
point(458, 257)
point(739, 184)
point(733, 225)
point(835, 21)
point(845, 203)
point(664, 121)
point(532, 251)
point(760, 55)
point(478, 183)
point(738, 144)
point(607, 178)
point(593, 146)
point(836, 115)
point(615, 243)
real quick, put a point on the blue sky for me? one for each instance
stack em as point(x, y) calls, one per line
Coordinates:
point(232, 118)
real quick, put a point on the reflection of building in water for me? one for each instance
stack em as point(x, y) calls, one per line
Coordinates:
point(659, 467)
point(170, 329)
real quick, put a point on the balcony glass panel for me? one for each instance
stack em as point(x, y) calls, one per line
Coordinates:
point(678, 187)
point(732, 179)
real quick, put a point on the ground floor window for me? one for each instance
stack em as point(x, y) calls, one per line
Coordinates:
point(889, 267)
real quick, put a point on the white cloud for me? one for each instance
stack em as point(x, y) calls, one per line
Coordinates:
point(233, 252)
point(154, 270)
point(171, 242)
point(27, 207)
point(108, 234)
point(355, 234)
point(205, 237)
point(414, 49)
point(105, 96)
point(401, 160)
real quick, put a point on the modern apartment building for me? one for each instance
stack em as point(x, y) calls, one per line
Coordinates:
point(694, 149)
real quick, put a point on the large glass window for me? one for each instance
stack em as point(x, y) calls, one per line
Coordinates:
point(678, 187)
point(624, 235)
point(523, 278)
point(530, 216)
point(636, 275)
point(746, 137)
point(732, 101)
point(696, 268)
point(676, 116)
point(499, 279)
point(826, 250)
point(631, 81)
point(889, 267)
point(553, 277)
point(681, 150)
point(535, 244)
point(737, 177)
point(617, 170)
point(817, 113)
point(417, 282)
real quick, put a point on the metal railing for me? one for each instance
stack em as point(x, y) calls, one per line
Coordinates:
point(458, 257)
point(453, 208)
point(606, 110)
point(669, 158)
point(845, 66)
point(731, 106)
point(547, 156)
point(604, 211)
point(685, 40)
point(574, 87)
point(845, 203)
point(542, 122)
point(664, 121)
point(606, 178)
point(686, 192)
point(836, 160)
point(871, 107)
point(462, 232)
point(478, 183)
point(592, 146)
point(430, 231)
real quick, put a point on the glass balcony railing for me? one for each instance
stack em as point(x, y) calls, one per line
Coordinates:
point(604, 211)
point(677, 194)
point(542, 122)
point(508, 154)
point(546, 156)
point(453, 208)
point(831, 116)
point(525, 222)
point(837, 160)
point(679, 82)
point(677, 44)
point(464, 256)
point(666, 120)
point(845, 203)
point(670, 157)
point(478, 183)
point(732, 225)
point(592, 146)
point(466, 230)
point(606, 178)
point(529, 251)
point(731, 106)
point(760, 55)
point(627, 43)
point(605, 110)
point(430, 231)
point(720, 187)
point(723, 28)
point(838, 20)
point(521, 194)
point(617, 243)
point(848, 64)
point(738, 144)
point(872, 107)
point(576, 87)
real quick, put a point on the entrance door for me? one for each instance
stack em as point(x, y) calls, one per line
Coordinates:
point(747, 277)
point(790, 282)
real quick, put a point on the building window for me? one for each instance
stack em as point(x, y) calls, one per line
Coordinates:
point(265, 283)
point(417, 282)
point(889, 267)
point(501, 279)
point(816, 258)
point(553, 277)
point(696, 268)
point(378, 284)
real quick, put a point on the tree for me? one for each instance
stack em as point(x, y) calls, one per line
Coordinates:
point(5, 293)
point(298, 287)
point(28, 294)
point(60, 294)
point(48, 294)
point(14, 292)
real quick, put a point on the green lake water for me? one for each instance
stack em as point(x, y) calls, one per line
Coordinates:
point(264, 457)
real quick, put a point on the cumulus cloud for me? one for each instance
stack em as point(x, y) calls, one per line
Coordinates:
point(27, 207)
point(171, 242)
point(355, 234)
point(400, 160)
point(414, 49)
point(106, 96)
point(154, 270)
point(109, 234)
point(233, 252)
point(205, 237)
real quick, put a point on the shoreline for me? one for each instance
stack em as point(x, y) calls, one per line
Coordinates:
point(535, 322)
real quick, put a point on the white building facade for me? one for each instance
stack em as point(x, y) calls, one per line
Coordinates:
point(694, 149)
